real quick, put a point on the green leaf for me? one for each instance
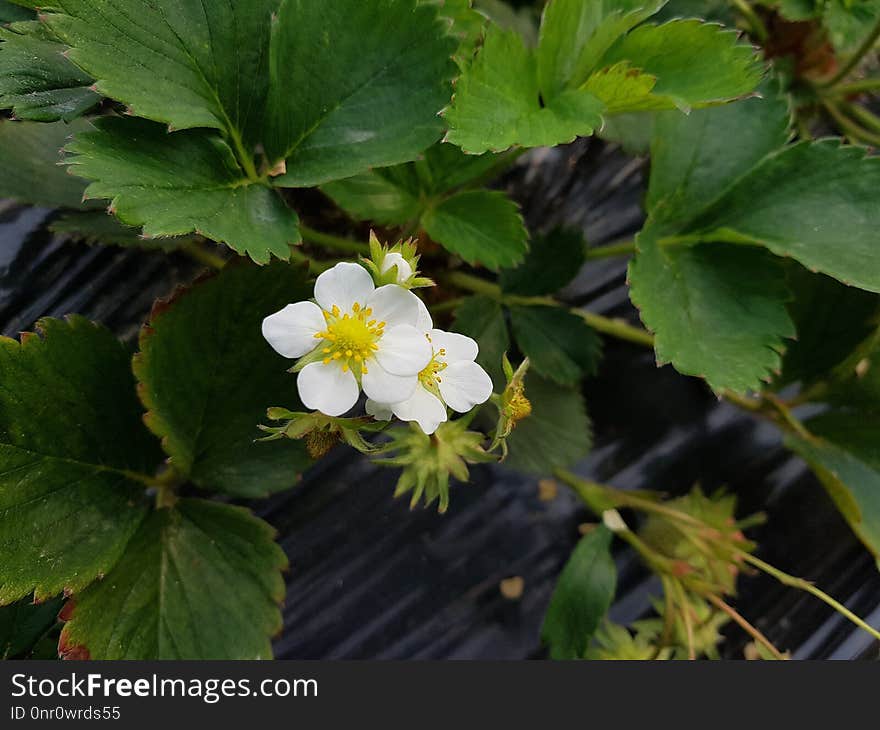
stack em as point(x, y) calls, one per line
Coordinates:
point(187, 64)
point(556, 434)
point(831, 321)
point(813, 202)
point(200, 580)
point(75, 458)
point(622, 88)
point(172, 184)
point(36, 81)
point(498, 102)
point(10, 12)
point(33, 151)
point(482, 319)
point(207, 376)
point(582, 596)
point(855, 382)
point(692, 160)
point(99, 227)
point(551, 263)
point(718, 311)
point(466, 25)
point(471, 224)
point(23, 623)
point(387, 195)
point(695, 63)
point(849, 22)
point(559, 344)
point(484, 227)
point(355, 85)
point(576, 34)
point(844, 453)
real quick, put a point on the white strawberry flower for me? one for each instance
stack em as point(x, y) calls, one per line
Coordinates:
point(451, 378)
point(354, 336)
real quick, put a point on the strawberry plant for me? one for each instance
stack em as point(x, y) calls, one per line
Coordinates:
point(415, 318)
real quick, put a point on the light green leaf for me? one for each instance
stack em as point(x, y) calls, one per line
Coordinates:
point(556, 434)
point(498, 102)
point(576, 34)
point(482, 319)
point(23, 623)
point(844, 451)
point(207, 376)
point(187, 64)
point(813, 202)
point(200, 580)
point(692, 160)
point(466, 25)
point(582, 596)
point(551, 263)
point(622, 88)
point(717, 311)
point(36, 81)
point(75, 456)
point(33, 152)
point(355, 85)
point(482, 226)
point(559, 344)
point(172, 184)
point(695, 63)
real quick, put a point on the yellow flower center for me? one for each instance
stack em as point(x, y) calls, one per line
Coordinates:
point(350, 339)
point(430, 374)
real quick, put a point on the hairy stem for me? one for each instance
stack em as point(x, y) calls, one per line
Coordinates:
point(805, 585)
point(199, 253)
point(749, 628)
point(337, 243)
point(611, 250)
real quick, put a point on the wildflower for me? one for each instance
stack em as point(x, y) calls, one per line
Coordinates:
point(356, 336)
point(451, 378)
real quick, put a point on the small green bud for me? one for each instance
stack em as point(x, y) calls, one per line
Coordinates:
point(397, 264)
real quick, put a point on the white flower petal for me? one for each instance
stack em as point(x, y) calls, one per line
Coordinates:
point(424, 322)
point(327, 389)
point(379, 411)
point(423, 408)
point(291, 331)
point(464, 385)
point(394, 305)
point(403, 350)
point(383, 387)
point(343, 285)
point(458, 347)
point(404, 270)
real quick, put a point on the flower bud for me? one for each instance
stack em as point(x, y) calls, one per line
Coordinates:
point(397, 264)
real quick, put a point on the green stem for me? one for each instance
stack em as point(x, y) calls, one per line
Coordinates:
point(337, 243)
point(759, 30)
point(747, 626)
point(854, 60)
point(244, 159)
point(805, 585)
point(855, 87)
point(622, 248)
point(850, 128)
point(203, 256)
point(616, 328)
point(315, 266)
point(863, 116)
